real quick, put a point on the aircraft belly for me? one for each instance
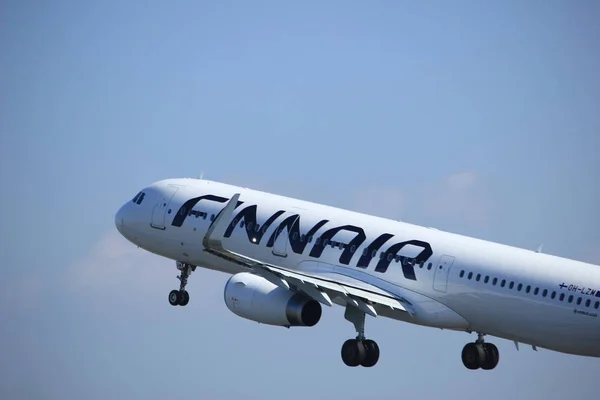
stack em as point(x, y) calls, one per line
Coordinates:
point(534, 323)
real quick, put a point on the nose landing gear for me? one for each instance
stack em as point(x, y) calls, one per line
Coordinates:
point(181, 297)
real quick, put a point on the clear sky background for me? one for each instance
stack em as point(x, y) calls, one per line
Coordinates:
point(480, 118)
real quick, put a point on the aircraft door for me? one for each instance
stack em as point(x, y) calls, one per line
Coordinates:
point(160, 209)
point(442, 271)
point(281, 241)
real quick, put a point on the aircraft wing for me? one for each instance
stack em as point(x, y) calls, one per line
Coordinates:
point(320, 288)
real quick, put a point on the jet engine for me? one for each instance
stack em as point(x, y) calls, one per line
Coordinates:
point(255, 298)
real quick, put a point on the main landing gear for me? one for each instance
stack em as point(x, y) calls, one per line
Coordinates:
point(480, 354)
point(181, 297)
point(359, 351)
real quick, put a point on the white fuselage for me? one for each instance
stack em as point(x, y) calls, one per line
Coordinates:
point(456, 282)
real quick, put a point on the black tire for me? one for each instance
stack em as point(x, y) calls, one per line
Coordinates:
point(174, 297)
point(473, 356)
point(372, 353)
point(353, 352)
point(184, 298)
point(492, 356)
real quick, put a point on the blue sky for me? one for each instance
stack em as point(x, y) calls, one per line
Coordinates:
point(473, 117)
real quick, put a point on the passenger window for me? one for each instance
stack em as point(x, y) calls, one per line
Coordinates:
point(302, 237)
point(352, 249)
point(536, 291)
point(249, 226)
point(553, 295)
point(503, 283)
point(545, 293)
point(578, 300)
point(570, 299)
point(374, 254)
point(294, 236)
point(478, 277)
point(341, 245)
point(495, 281)
point(512, 284)
point(519, 287)
point(597, 304)
point(487, 279)
point(241, 223)
point(470, 275)
point(528, 289)
point(310, 238)
point(390, 256)
point(462, 273)
point(429, 266)
point(562, 297)
point(325, 242)
point(588, 302)
point(212, 217)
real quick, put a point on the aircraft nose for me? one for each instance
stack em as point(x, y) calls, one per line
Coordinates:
point(120, 218)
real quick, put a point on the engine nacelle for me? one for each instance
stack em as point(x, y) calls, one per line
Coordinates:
point(255, 298)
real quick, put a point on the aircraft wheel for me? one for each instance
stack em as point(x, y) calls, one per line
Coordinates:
point(353, 352)
point(174, 297)
point(492, 356)
point(372, 353)
point(473, 356)
point(184, 298)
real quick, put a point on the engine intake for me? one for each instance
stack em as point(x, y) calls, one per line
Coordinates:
point(255, 298)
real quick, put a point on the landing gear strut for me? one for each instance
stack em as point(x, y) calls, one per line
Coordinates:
point(480, 354)
point(181, 297)
point(359, 351)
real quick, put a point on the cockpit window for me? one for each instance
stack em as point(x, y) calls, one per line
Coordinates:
point(139, 198)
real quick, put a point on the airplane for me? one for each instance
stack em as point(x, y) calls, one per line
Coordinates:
point(287, 258)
